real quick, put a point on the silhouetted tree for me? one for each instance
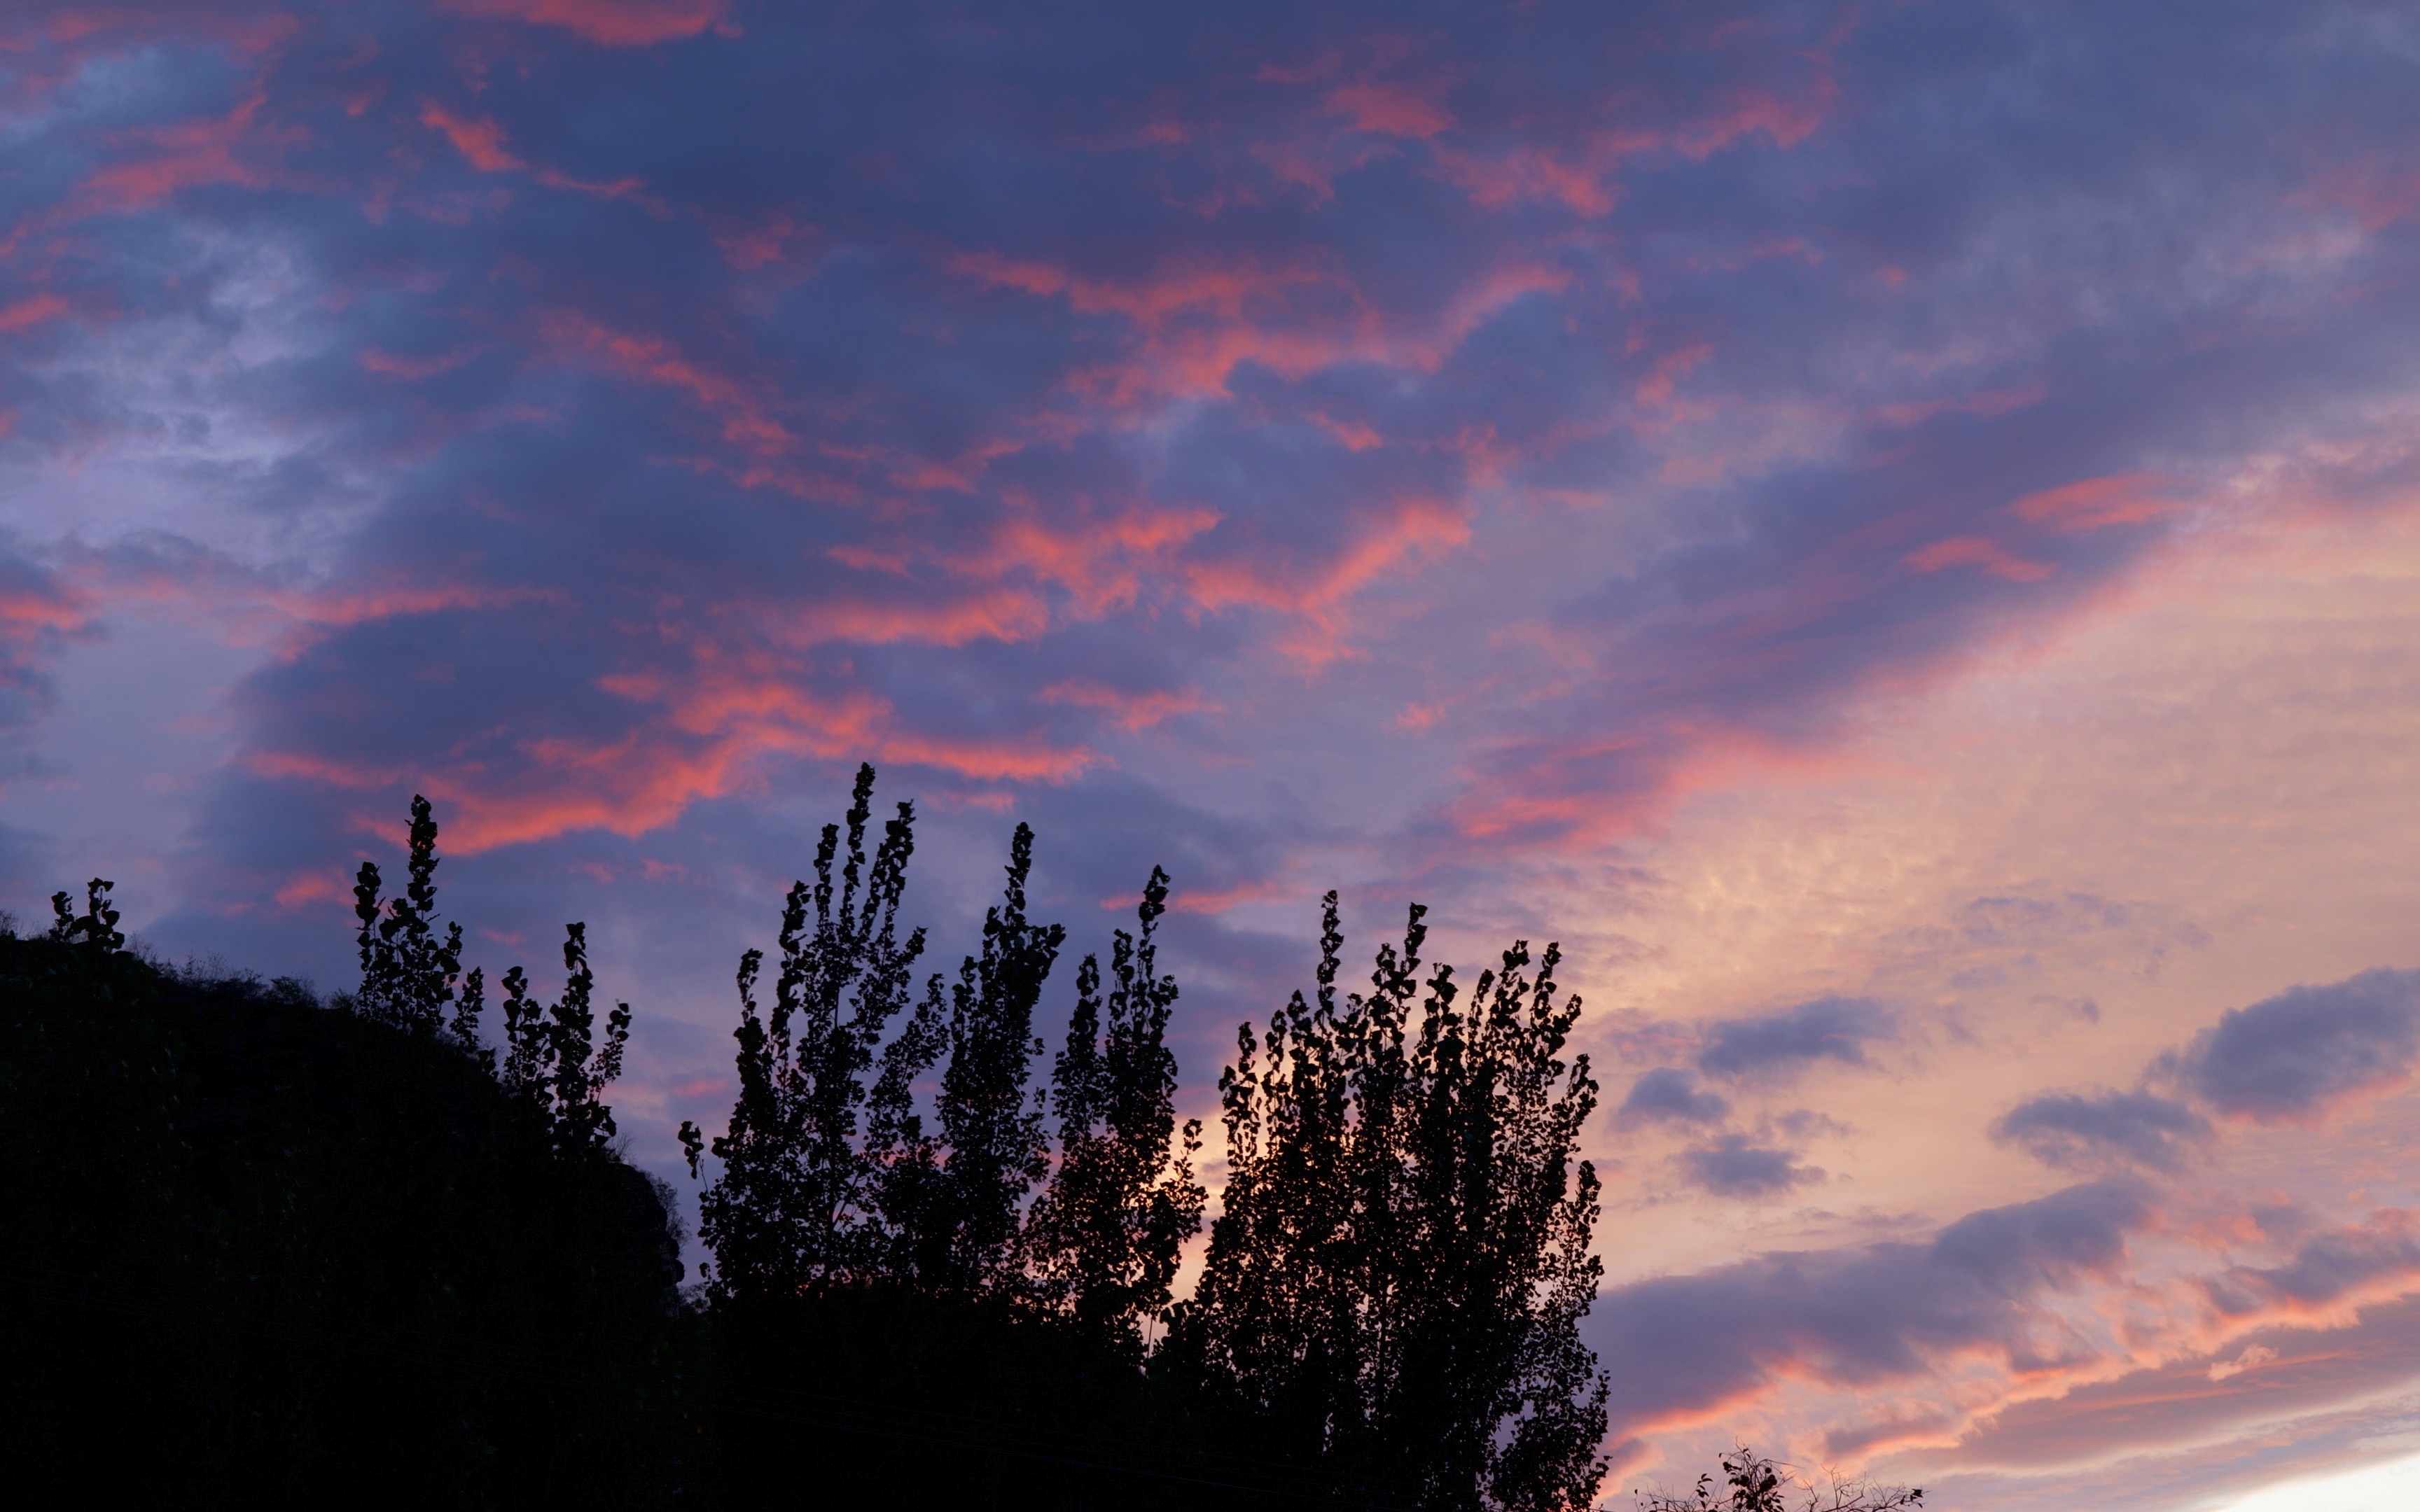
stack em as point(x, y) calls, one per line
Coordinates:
point(1401, 1261)
point(961, 1220)
point(409, 971)
point(1751, 1483)
point(796, 1203)
point(1103, 1238)
point(551, 1056)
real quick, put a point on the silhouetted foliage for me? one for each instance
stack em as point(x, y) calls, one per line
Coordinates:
point(964, 1235)
point(891, 1301)
point(799, 1199)
point(1103, 1239)
point(1401, 1261)
point(1751, 1483)
point(409, 971)
point(1395, 1285)
point(95, 929)
point(551, 1055)
point(409, 974)
point(308, 1244)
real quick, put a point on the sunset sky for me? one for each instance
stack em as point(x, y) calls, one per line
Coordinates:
point(1891, 529)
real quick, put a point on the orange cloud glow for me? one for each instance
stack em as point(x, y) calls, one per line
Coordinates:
point(712, 729)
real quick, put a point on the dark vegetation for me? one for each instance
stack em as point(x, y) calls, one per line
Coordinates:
point(260, 1253)
point(1749, 1482)
point(264, 1250)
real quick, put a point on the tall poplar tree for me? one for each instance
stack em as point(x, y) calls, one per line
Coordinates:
point(797, 1202)
point(961, 1221)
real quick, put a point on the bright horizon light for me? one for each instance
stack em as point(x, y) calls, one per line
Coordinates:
point(2391, 1487)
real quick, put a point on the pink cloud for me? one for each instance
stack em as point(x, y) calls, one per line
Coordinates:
point(311, 888)
point(1391, 109)
point(412, 369)
point(606, 22)
point(1200, 322)
point(1317, 596)
point(1976, 551)
point(778, 237)
point(1218, 901)
point(188, 155)
point(1131, 711)
point(2093, 503)
point(31, 311)
point(711, 730)
point(481, 142)
point(744, 414)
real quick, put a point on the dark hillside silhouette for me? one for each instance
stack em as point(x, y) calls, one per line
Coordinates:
point(266, 1254)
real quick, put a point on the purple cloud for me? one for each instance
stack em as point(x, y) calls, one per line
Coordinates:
point(2290, 1057)
point(1667, 1093)
point(2254, 1378)
point(842, 390)
point(1736, 1166)
point(2325, 1268)
point(1781, 1044)
point(1861, 1317)
point(2074, 1130)
point(38, 612)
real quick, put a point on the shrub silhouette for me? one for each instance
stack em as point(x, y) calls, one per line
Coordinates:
point(1749, 1482)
